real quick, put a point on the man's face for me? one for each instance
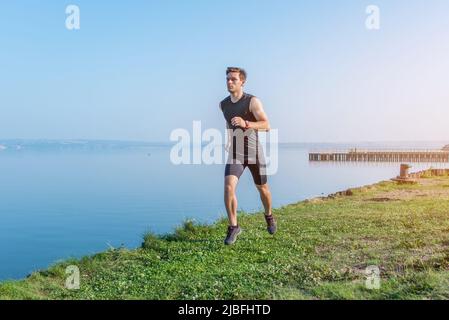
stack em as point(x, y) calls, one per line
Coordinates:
point(233, 82)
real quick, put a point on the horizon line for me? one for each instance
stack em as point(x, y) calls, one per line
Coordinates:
point(170, 142)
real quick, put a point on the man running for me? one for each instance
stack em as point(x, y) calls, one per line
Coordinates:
point(245, 116)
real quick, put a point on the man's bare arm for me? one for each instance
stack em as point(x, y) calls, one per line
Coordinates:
point(256, 108)
point(229, 133)
point(262, 122)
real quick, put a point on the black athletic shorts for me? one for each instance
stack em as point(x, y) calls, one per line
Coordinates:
point(258, 170)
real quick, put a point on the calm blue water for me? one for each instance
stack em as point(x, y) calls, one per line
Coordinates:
point(60, 203)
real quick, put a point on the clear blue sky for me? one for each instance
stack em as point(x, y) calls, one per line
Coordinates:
point(136, 70)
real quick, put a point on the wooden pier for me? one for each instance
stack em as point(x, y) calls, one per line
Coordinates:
point(356, 155)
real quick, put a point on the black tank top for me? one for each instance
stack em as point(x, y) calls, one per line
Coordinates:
point(250, 136)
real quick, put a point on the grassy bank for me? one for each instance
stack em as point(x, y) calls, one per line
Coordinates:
point(321, 251)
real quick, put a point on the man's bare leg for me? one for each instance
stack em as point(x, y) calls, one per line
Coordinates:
point(230, 198)
point(265, 196)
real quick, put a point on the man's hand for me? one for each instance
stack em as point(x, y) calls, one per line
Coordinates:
point(238, 122)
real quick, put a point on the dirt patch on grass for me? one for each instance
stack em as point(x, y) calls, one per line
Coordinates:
point(429, 187)
point(382, 199)
point(412, 194)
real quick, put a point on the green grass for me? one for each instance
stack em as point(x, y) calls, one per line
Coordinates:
point(321, 251)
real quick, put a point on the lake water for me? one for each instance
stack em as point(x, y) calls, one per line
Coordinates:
point(59, 203)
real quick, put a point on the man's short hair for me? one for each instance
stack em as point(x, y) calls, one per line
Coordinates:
point(241, 71)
